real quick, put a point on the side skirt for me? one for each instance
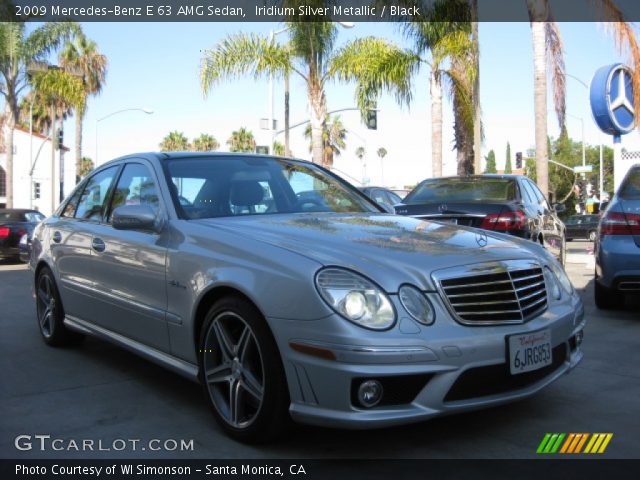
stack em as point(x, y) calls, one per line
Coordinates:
point(163, 359)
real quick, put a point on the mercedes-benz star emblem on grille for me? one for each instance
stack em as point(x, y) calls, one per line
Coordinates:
point(442, 208)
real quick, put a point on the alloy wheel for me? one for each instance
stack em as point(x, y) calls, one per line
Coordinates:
point(46, 305)
point(234, 369)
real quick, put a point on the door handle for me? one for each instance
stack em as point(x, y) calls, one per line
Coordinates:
point(57, 237)
point(98, 245)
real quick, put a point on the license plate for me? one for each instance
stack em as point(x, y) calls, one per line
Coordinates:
point(529, 351)
point(449, 220)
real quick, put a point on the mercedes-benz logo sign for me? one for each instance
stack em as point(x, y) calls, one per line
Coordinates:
point(620, 98)
point(482, 239)
point(442, 208)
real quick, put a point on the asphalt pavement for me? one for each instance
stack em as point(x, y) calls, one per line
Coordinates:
point(108, 396)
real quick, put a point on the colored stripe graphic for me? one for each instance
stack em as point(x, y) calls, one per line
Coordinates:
point(573, 443)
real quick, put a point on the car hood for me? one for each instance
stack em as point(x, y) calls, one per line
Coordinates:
point(389, 249)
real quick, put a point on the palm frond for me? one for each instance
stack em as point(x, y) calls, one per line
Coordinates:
point(555, 61)
point(59, 87)
point(45, 39)
point(376, 66)
point(625, 40)
point(242, 54)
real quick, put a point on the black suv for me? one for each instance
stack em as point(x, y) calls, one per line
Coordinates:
point(510, 204)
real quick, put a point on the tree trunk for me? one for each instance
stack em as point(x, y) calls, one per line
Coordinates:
point(538, 13)
point(79, 120)
point(11, 119)
point(287, 150)
point(318, 105)
point(477, 131)
point(436, 124)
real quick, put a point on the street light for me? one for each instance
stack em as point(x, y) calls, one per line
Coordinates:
point(584, 84)
point(145, 110)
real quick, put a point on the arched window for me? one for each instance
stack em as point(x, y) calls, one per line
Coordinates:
point(3, 182)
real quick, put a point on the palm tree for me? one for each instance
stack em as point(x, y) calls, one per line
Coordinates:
point(17, 50)
point(334, 135)
point(278, 149)
point(62, 92)
point(174, 142)
point(242, 141)
point(547, 50)
point(382, 152)
point(310, 53)
point(436, 40)
point(83, 58)
point(87, 166)
point(205, 143)
point(446, 41)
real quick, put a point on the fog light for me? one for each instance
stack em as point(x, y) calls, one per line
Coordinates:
point(370, 393)
point(579, 337)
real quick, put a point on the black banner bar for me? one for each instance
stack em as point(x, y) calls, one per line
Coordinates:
point(312, 10)
point(319, 469)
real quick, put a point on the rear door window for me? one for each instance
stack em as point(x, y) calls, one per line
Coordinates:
point(630, 188)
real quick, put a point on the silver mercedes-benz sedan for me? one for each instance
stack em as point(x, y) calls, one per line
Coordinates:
point(289, 294)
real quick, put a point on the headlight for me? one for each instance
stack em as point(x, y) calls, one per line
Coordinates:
point(553, 286)
point(414, 301)
point(562, 277)
point(355, 298)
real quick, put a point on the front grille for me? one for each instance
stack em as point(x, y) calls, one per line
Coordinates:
point(511, 293)
point(496, 379)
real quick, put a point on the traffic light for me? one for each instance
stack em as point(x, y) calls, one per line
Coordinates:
point(518, 160)
point(371, 118)
point(59, 139)
point(36, 190)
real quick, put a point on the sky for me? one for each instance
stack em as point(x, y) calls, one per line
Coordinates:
point(156, 66)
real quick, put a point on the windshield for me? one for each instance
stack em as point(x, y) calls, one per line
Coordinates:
point(462, 190)
point(229, 186)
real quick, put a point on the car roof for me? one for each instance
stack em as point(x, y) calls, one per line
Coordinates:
point(19, 210)
point(188, 154)
point(477, 177)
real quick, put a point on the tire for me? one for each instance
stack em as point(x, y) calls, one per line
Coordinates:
point(50, 313)
point(241, 372)
point(605, 298)
point(592, 236)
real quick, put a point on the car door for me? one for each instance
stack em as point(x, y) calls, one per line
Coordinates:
point(129, 266)
point(69, 237)
point(551, 228)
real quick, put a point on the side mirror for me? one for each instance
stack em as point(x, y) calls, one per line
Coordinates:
point(135, 217)
point(559, 208)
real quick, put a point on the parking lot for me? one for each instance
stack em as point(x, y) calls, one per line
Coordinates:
point(101, 392)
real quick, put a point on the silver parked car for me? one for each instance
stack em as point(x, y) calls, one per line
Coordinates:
point(288, 293)
point(617, 247)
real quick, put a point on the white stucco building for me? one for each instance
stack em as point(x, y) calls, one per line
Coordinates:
point(36, 176)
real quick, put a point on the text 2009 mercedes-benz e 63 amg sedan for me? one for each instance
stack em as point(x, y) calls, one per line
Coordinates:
point(288, 293)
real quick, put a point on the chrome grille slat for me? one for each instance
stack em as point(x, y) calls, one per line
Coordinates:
point(507, 292)
point(476, 284)
point(481, 294)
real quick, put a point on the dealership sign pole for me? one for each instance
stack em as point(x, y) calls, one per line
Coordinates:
point(611, 96)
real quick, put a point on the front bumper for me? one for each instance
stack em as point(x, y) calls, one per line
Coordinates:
point(429, 370)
